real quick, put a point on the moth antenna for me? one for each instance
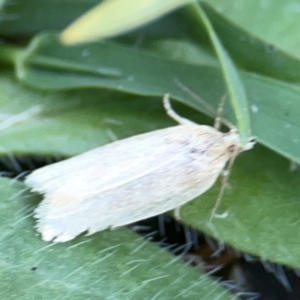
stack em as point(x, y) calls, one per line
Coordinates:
point(196, 97)
point(172, 113)
point(225, 177)
point(218, 120)
point(20, 117)
point(218, 114)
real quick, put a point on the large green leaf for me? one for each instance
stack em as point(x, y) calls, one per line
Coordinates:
point(48, 65)
point(73, 122)
point(263, 196)
point(256, 38)
point(110, 265)
point(262, 201)
point(256, 45)
point(276, 22)
point(253, 52)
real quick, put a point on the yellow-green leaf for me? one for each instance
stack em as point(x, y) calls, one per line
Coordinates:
point(114, 17)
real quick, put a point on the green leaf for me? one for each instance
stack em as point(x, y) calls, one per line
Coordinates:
point(261, 201)
point(112, 264)
point(89, 118)
point(234, 85)
point(48, 65)
point(261, 204)
point(275, 22)
point(257, 52)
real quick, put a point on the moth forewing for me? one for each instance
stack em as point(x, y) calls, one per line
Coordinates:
point(130, 179)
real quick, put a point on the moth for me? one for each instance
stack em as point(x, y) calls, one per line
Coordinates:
point(131, 179)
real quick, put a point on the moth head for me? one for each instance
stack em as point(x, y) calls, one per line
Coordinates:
point(234, 143)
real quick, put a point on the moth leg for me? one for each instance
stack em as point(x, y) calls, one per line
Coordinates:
point(177, 213)
point(225, 175)
point(210, 109)
point(171, 113)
